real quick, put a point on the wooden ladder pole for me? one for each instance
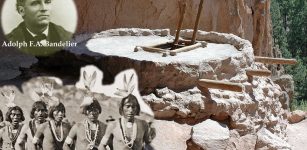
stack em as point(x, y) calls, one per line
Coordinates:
point(152, 49)
point(200, 7)
point(183, 6)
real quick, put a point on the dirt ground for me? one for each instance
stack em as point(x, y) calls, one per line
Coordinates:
point(297, 135)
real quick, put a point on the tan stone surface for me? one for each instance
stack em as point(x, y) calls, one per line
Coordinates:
point(176, 73)
point(268, 141)
point(237, 142)
point(210, 135)
point(297, 135)
point(171, 135)
point(249, 19)
point(296, 116)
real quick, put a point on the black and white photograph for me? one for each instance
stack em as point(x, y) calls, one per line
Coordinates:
point(38, 27)
point(86, 117)
point(154, 75)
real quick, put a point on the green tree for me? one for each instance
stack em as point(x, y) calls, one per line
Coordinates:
point(289, 21)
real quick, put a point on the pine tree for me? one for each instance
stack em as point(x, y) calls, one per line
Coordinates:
point(289, 21)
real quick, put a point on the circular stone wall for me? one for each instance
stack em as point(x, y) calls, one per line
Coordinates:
point(225, 57)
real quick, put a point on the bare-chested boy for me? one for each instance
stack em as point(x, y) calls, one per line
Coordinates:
point(38, 116)
point(54, 131)
point(128, 132)
point(88, 133)
point(10, 133)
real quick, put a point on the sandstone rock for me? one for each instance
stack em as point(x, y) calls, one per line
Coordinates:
point(155, 102)
point(296, 116)
point(182, 72)
point(176, 105)
point(171, 135)
point(267, 140)
point(237, 142)
point(242, 45)
point(168, 97)
point(247, 19)
point(210, 135)
point(286, 83)
point(162, 92)
point(206, 71)
point(285, 100)
point(242, 112)
point(165, 114)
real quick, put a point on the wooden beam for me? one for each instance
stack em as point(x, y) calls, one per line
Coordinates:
point(152, 49)
point(200, 8)
point(258, 72)
point(183, 6)
point(223, 85)
point(185, 49)
point(270, 60)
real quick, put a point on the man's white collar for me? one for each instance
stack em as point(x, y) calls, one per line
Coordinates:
point(45, 32)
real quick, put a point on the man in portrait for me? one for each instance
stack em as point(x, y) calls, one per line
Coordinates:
point(36, 29)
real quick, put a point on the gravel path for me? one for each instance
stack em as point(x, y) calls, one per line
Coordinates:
point(297, 135)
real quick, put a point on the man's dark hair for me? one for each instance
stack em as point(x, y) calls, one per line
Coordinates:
point(94, 105)
point(59, 107)
point(129, 98)
point(19, 3)
point(37, 105)
point(9, 112)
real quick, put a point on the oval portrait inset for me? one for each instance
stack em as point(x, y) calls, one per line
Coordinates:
point(39, 27)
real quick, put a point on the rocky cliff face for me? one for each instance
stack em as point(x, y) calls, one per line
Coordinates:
point(249, 19)
point(255, 118)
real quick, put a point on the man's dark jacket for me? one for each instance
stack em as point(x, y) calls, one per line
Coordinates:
point(55, 34)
